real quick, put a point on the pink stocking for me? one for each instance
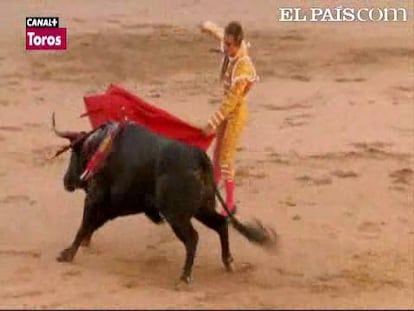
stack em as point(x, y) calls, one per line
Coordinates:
point(229, 186)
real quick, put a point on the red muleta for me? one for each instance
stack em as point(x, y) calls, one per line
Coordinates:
point(117, 104)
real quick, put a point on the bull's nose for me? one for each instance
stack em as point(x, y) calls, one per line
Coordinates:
point(69, 188)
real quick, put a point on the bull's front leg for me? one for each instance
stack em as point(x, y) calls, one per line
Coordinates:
point(93, 218)
point(86, 242)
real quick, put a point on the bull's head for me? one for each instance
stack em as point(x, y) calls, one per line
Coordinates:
point(77, 163)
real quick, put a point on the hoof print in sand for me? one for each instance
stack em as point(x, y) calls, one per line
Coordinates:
point(344, 174)
point(24, 253)
point(316, 181)
point(10, 128)
point(286, 107)
point(369, 229)
point(13, 199)
point(296, 120)
point(350, 79)
point(402, 176)
point(274, 157)
point(246, 267)
point(131, 284)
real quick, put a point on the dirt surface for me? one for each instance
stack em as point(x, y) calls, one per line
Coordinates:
point(327, 158)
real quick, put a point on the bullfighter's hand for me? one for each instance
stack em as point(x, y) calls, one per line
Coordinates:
point(207, 130)
point(203, 26)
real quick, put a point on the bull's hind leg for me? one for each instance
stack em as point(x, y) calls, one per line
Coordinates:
point(87, 240)
point(189, 236)
point(93, 218)
point(213, 220)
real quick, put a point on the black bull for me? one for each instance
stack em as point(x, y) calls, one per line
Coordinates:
point(147, 173)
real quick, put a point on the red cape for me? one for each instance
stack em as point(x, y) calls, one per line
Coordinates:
point(117, 104)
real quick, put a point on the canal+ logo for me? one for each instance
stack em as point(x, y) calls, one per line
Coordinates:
point(44, 33)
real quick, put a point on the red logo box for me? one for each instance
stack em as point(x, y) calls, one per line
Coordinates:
point(46, 39)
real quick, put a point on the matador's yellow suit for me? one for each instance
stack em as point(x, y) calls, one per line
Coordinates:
point(237, 76)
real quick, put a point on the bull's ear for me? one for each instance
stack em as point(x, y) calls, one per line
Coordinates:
point(65, 134)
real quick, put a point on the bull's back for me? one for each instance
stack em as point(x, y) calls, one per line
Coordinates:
point(176, 158)
point(133, 157)
point(140, 157)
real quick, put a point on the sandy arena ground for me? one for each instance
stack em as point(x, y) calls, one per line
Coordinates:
point(327, 158)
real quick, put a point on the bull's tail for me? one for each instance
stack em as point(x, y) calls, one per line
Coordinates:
point(254, 232)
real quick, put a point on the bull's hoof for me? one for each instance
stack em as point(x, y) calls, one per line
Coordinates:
point(66, 255)
point(186, 279)
point(183, 284)
point(229, 266)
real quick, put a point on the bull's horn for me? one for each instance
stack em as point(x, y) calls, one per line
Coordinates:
point(60, 151)
point(68, 135)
